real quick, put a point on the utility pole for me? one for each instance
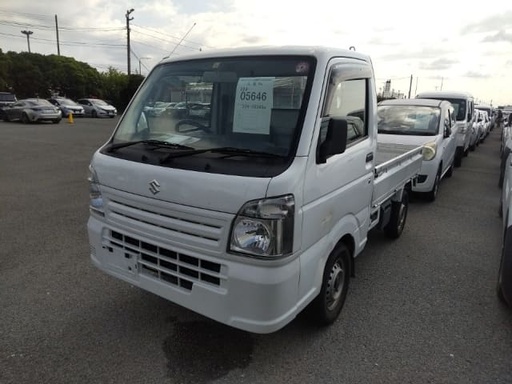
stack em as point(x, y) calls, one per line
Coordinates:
point(28, 33)
point(442, 79)
point(57, 32)
point(410, 87)
point(128, 50)
point(140, 68)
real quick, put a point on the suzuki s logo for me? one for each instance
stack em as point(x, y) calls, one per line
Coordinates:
point(154, 187)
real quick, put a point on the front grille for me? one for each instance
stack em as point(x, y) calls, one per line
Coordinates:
point(172, 224)
point(171, 267)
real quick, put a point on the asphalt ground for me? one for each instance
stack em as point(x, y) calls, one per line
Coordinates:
point(421, 309)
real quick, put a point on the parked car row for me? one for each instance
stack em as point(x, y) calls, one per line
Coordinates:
point(504, 286)
point(433, 124)
point(33, 110)
point(181, 110)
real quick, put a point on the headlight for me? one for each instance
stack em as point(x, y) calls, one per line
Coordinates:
point(95, 197)
point(429, 151)
point(264, 228)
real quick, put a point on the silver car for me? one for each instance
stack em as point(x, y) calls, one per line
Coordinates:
point(67, 106)
point(32, 111)
point(97, 108)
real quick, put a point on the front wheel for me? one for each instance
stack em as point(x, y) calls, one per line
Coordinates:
point(504, 286)
point(459, 153)
point(94, 114)
point(329, 302)
point(24, 118)
point(432, 195)
point(396, 224)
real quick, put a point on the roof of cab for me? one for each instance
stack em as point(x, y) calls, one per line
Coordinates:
point(447, 94)
point(414, 102)
point(320, 52)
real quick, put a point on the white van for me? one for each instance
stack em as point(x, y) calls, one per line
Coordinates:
point(424, 122)
point(464, 105)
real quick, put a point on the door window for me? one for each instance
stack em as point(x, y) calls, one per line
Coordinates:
point(346, 99)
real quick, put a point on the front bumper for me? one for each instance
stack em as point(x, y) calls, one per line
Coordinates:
point(257, 297)
point(426, 177)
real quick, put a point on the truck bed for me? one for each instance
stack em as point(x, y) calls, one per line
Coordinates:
point(395, 165)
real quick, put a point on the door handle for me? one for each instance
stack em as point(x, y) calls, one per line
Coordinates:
point(369, 157)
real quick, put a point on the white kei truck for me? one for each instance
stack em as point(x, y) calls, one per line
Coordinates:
point(247, 199)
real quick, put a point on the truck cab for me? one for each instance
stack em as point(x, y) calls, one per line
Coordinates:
point(255, 208)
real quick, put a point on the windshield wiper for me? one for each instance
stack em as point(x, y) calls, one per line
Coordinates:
point(156, 143)
point(230, 151)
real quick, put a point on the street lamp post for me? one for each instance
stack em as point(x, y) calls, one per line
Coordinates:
point(128, 18)
point(27, 33)
point(140, 59)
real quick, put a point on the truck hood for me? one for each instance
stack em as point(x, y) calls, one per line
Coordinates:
point(405, 139)
point(223, 193)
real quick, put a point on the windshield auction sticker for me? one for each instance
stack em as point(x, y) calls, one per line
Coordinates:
point(253, 105)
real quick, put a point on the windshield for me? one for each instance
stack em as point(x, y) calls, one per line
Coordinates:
point(251, 104)
point(7, 97)
point(408, 120)
point(66, 102)
point(98, 102)
point(458, 104)
point(39, 102)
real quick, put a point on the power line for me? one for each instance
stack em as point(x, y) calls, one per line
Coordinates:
point(171, 36)
point(165, 40)
point(51, 27)
point(149, 45)
point(68, 43)
point(139, 59)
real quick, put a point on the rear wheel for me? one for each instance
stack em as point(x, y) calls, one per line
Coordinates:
point(396, 224)
point(94, 114)
point(24, 118)
point(56, 121)
point(329, 302)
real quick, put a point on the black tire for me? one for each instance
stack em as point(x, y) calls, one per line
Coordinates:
point(472, 147)
point(24, 118)
point(504, 285)
point(328, 304)
point(94, 114)
point(503, 165)
point(6, 118)
point(432, 195)
point(458, 159)
point(56, 121)
point(449, 172)
point(396, 224)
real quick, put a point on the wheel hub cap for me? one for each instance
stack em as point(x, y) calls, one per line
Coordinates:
point(335, 285)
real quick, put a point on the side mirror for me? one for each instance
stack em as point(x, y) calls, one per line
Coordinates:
point(447, 132)
point(335, 140)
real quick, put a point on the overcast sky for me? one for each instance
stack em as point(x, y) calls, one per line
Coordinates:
point(442, 44)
